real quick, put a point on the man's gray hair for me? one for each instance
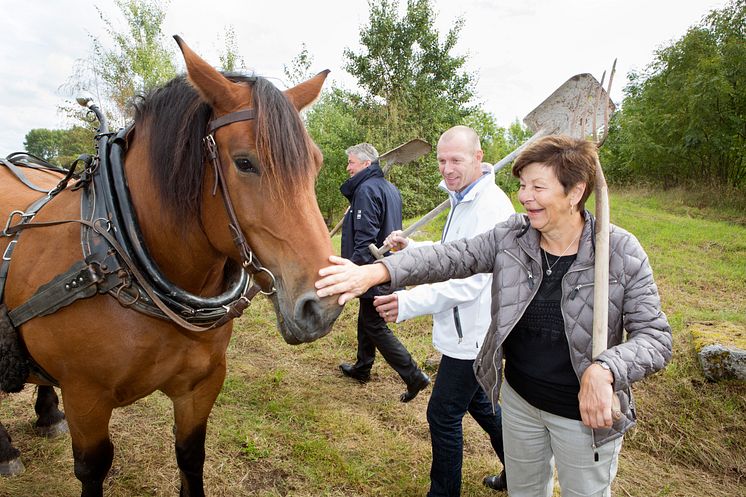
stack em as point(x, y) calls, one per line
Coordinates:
point(363, 151)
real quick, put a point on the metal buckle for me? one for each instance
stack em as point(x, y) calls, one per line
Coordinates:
point(22, 214)
point(273, 287)
point(212, 147)
point(248, 262)
point(9, 250)
point(120, 291)
point(101, 220)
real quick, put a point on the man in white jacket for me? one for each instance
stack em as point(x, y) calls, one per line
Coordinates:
point(460, 309)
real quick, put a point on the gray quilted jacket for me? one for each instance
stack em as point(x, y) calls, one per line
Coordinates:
point(511, 253)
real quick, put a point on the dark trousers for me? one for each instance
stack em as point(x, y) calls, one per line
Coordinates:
point(372, 334)
point(455, 393)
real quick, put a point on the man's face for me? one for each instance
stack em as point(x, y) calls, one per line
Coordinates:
point(458, 163)
point(355, 165)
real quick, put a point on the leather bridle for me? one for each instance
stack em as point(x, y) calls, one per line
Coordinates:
point(249, 261)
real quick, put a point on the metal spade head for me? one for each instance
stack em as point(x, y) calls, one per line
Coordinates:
point(573, 109)
point(406, 152)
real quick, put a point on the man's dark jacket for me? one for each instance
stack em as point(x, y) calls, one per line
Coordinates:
point(375, 211)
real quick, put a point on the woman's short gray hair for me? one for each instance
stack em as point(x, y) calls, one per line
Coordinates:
point(363, 151)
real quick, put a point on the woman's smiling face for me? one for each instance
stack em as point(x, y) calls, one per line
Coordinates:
point(545, 200)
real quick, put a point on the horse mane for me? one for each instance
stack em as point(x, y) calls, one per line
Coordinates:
point(177, 120)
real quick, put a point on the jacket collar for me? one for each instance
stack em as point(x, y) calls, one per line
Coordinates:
point(372, 171)
point(529, 239)
point(478, 185)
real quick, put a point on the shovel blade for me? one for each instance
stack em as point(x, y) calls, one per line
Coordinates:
point(406, 152)
point(570, 109)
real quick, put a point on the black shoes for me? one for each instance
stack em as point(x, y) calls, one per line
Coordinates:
point(351, 371)
point(421, 380)
point(498, 482)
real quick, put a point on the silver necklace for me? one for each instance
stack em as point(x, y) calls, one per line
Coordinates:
point(549, 268)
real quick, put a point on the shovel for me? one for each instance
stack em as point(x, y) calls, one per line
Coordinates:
point(572, 109)
point(601, 257)
point(403, 154)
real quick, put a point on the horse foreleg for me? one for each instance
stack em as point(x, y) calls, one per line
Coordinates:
point(88, 417)
point(10, 462)
point(191, 411)
point(50, 420)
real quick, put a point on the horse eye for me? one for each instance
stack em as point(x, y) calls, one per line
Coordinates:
point(245, 165)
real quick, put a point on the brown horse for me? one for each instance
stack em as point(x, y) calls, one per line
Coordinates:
point(104, 355)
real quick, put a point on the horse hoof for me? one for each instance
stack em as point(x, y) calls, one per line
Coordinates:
point(11, 468)
point(58, 429)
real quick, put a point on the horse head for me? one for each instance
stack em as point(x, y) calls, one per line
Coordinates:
point(269, 165)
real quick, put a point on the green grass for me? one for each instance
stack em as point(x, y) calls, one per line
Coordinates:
point(287, 424)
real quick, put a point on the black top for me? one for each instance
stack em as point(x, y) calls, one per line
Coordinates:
point(537, 356)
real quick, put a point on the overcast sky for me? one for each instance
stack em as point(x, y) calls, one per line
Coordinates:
point(521, 50)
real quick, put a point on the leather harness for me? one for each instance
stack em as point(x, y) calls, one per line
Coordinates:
point(115, 259)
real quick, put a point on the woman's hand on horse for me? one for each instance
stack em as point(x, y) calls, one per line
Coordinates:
point(595, 396)
point(348, 280)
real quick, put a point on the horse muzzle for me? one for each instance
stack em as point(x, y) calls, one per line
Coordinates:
point(306, 319)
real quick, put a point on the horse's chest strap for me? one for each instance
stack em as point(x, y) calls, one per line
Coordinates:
point(79, 282)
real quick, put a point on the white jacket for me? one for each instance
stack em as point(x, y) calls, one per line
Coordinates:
point(483, 206)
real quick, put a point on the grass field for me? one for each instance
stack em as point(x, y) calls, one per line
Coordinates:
point(287, 423)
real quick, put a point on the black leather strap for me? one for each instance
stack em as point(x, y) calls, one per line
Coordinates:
point(234, 310)
point(22, 177)
point(241, 115)
point(78, 282)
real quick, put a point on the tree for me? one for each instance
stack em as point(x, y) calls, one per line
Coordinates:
point(300, 67)
point(333, 125)
point(140, 61)
point(231, 60)
point(59, 146)
point(142, 58)
point(412, 82)
point(684, 117)
point(497, 142)
point(413, 87)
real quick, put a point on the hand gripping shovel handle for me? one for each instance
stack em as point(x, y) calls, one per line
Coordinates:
point(378, 253)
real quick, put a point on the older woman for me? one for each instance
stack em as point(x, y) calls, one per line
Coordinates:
point(556, 398)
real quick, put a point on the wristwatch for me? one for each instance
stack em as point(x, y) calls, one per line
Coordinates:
point(603, 365)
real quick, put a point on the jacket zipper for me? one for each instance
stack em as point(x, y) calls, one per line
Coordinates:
point(575, 290)
point(456, 317)
point(457, 322)
point(531, 282)
point(573, 294)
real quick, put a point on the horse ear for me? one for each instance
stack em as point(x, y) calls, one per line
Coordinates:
point(214, 88)
point(307, 92)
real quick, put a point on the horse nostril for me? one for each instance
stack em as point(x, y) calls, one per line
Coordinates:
point(309, 311)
